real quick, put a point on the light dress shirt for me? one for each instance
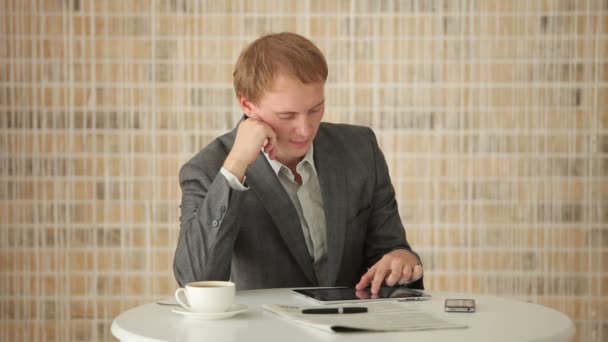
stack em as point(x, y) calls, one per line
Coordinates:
point(307, 200)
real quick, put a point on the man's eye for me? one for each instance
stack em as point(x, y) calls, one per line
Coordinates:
point(315, 110)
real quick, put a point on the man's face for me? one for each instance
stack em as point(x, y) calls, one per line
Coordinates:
point(294, 111)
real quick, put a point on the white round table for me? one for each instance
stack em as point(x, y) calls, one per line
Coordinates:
point(497, 319)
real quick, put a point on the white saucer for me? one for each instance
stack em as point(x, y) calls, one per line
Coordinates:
point(234, 309)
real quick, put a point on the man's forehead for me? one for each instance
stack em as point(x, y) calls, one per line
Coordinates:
point(282, 82)
point(304, 96)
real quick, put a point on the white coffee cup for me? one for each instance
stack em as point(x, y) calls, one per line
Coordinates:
point(207, 296)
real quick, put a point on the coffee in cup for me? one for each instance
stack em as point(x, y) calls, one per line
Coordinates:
point(206, 296)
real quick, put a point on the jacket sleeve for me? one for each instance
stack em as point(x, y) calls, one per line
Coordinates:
point(209, 225)
point(385, 229)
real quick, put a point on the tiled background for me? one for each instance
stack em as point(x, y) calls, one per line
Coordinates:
point(493, 115)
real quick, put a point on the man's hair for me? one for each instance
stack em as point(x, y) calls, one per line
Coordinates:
point(262, 60)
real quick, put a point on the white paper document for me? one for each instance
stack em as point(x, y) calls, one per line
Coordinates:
point(382, 316)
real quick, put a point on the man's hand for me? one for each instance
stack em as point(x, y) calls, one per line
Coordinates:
point(251, 136)
point(361, 294)
point(398, 266)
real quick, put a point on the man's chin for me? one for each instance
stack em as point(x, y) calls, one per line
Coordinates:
point(292, 154)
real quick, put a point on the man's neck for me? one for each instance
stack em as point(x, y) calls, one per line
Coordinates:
point(291, 164)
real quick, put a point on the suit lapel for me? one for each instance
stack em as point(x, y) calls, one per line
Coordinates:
point(328, 162)
point(262, 179)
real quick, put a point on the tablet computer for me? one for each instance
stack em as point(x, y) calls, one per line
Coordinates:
point(334, 295)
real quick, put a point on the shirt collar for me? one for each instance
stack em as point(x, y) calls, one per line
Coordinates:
point(308, 157)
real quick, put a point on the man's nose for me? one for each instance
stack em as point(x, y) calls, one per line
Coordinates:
point(304, 125)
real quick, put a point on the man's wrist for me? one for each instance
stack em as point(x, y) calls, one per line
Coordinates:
point(233, 182)
point(236, 167)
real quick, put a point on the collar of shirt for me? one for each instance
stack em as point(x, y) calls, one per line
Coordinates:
point(308, 157)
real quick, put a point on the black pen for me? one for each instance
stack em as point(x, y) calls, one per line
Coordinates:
point(345, 310)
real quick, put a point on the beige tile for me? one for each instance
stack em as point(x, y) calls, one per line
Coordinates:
point(82, 309)
point(162, 260)
point(81, 261)
point(107, 260)
point(135, 285)
point(80, 330)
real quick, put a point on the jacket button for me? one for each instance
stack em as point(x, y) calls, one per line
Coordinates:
point(214, 223)
point(223, 209)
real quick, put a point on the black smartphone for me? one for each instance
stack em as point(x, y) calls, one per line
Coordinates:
point(460, 305)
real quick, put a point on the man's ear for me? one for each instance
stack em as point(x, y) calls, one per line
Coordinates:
point(247, 106)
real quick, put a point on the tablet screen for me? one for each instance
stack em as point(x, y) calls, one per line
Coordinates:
point(342, 294)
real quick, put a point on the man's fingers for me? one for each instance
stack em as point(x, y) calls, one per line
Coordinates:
point(410, 275)
point(366, 279)
point(270, 149)
point(394, 276)
point(362, 294)
point(379, 277)
point(406, 274)
point(271, 145)
point(417, 272)
point(396, 267)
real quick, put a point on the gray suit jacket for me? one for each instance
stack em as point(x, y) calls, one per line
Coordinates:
point(255, 237)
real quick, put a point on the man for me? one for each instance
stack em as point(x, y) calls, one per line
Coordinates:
point(285, 200)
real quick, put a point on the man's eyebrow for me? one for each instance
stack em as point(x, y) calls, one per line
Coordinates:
point(292, 112)
point(286, 113)
point(318, 104)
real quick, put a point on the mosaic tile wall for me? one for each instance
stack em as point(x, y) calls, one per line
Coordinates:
point(493, 116)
